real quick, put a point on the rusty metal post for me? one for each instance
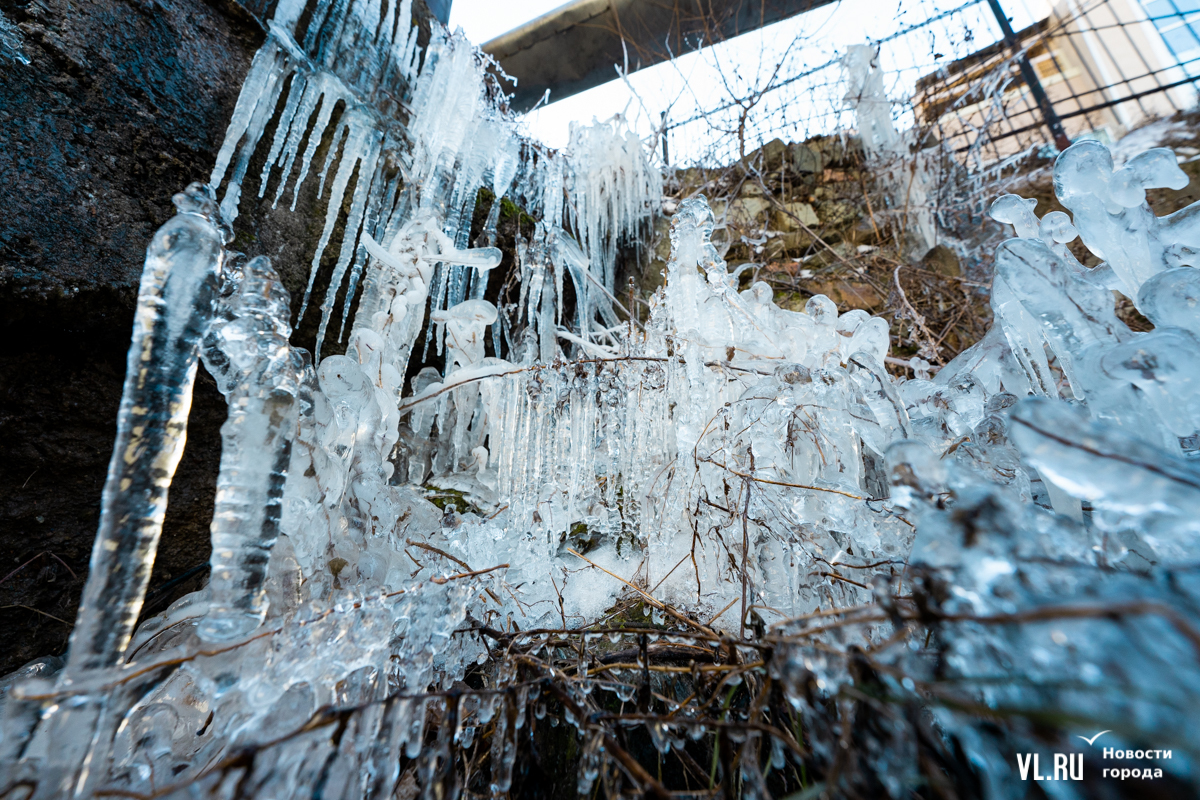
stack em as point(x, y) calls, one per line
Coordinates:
point(665, 131)
point(1061, 141)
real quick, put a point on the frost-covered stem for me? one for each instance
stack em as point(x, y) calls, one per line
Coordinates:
point(248, 353)
point(745, 547)
point(174, 308)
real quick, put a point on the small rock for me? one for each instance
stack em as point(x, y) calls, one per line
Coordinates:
point(836, 213)
point(793, 242)
point(773, 153)
point(943, 261)
point(849, 294)
point(747, 212)
point(786, 219)
point(805, 159)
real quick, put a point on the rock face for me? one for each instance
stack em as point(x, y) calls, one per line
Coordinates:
point(107, 108)
point(120, 106)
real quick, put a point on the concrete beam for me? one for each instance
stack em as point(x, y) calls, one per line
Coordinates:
point(440, 9)
point(576, 46)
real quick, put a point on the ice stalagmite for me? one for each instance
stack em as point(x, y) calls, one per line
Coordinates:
point(175, 306)
point(1111, 212)
point(247, 351)
point(62, 746)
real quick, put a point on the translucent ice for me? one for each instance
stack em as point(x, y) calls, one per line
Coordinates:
point(747, 474)
point(1110, 209)
point(1105, 467)
point(908, 178)
point(246, 350)
point(175, 306)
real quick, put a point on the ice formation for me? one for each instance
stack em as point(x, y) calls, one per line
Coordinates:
point(175, 308)
point(246, 350)
point(10, 42)
point(751, 476)
point(894, 159)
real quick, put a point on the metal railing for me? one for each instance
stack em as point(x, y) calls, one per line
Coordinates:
point(962, 75)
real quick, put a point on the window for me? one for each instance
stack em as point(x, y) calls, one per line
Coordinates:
point(1179, 23)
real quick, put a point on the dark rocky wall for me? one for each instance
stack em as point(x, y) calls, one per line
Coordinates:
point(122, 104)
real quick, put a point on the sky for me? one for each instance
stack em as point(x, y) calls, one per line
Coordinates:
point(483, 20)
point(698, 81)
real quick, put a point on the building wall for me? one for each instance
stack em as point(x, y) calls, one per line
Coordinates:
point(1105, 68)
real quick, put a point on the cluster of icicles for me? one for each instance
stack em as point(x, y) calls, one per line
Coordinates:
point(726, 458)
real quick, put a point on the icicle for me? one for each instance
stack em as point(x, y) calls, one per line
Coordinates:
point(328, 100)
point(364, 155)
point(247, 351)
point(296, 94)
point(175, 305)
point(264, 72)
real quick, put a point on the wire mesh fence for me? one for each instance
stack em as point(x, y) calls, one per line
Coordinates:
point(862, 171)
point(987, 79)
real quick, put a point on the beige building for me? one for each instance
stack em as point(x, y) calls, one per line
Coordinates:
point(1106, 68)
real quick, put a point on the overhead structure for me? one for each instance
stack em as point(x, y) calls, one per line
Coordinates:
point(575, 47)
point(440, 9)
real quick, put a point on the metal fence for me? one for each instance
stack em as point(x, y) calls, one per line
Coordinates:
point(987, 79)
